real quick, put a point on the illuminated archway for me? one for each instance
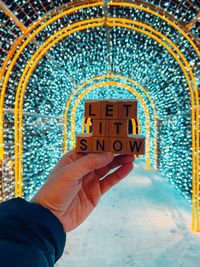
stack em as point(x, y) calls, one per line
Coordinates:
point(116, 84)
point(195, 168)
point(44, 50)
point(16, 150)
point(113, 24)
point(142, 31)
point(111, 77)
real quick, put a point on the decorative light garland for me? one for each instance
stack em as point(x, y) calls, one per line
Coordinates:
point(80, 57)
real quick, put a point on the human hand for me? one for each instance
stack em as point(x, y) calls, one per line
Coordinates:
point(75, 185)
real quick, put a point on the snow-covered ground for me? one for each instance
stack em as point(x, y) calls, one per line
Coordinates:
point(142, 221)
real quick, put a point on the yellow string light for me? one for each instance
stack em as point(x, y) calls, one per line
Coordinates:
point(21, 48)
point(195, 181)
point(157, 39)
point(197, 108)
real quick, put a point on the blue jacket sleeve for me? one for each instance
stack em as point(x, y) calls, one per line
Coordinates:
point(30, 235)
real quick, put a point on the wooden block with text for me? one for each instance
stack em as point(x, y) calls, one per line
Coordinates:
point(84, 142)
point(118, 145)
point(101, 128)
point(118, 128)
point(109, 109)
point(135, 144)
point(101, 144)
point(92, 109)
point(110, 128)
point(128, 109)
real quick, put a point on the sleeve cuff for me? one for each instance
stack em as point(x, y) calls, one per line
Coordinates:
point(34, 225)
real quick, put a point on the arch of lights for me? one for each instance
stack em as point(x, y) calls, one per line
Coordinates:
point(105, 78)
point(27, 77)
point(60, 37)
point(22, 95)
point(11, 79)
point(116, 84)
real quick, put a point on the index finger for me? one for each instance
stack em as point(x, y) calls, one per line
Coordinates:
point(87, 164)
point(68, 158)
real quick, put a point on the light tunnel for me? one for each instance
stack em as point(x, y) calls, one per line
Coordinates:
point(57, 54)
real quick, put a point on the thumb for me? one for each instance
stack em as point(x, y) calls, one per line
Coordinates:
point(87, 164)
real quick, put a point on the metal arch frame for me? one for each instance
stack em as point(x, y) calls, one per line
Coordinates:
point(177, 28)
point(10, 14)
point(57, 34)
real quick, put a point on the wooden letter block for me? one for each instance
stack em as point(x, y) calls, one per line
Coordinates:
point(135, 144)
point(101, 144)
point(119, 128)
point(100, 128)
point(84, 142)
point(92, 109)
point(118, 145)
point(128, 109)
point(109, 109)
